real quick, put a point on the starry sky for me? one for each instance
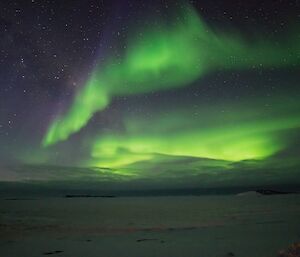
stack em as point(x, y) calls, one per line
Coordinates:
point(150, 94)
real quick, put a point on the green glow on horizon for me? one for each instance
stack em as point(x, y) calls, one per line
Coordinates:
point(163, 59)
point(188, 144)
point(237, 139)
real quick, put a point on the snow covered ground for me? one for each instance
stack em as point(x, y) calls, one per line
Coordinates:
point(189, 226)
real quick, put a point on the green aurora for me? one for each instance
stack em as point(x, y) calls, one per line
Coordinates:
point(244, 132)
point(167, 58)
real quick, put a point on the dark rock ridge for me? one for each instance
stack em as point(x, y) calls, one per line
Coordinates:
point(88, 196)
point(272, 192)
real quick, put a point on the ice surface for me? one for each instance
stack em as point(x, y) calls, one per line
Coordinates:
point(188, 226)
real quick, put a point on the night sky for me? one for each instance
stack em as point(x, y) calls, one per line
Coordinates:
point(150, 94)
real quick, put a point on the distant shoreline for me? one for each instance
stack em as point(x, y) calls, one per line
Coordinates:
point(89, 196)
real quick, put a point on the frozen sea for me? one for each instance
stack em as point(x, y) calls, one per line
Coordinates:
point(175, 226)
